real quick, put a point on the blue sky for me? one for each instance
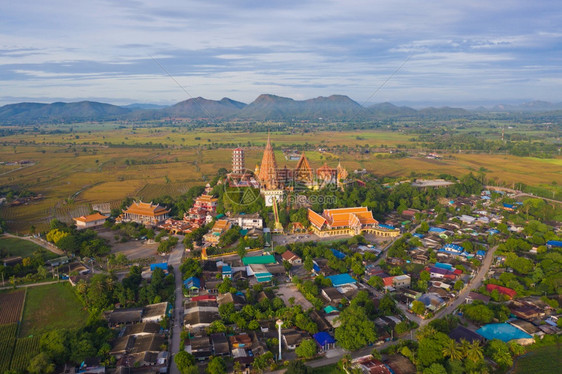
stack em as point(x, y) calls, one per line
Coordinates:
point(433, 52)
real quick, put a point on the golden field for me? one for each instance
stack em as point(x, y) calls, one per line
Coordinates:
point(72, 174)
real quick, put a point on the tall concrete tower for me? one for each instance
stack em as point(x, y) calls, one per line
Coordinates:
point(238, 166)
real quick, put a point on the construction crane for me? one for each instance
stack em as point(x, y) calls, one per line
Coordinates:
point(278, 227)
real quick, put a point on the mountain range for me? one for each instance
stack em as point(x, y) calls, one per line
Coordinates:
point(265, 107)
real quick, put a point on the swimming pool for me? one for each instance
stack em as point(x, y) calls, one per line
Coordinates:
point(502, 331)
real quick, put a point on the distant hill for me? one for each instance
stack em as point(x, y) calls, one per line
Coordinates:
point(271, 107)
point(136, 106)
point(265, 107)
point(531, 106)
point(32, 113)
point(388, 110)
point(203, 108)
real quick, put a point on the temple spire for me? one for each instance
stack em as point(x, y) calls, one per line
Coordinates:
point(268, 168)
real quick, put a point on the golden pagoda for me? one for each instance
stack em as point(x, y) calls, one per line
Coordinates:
point(342, 173)
point(268, 169)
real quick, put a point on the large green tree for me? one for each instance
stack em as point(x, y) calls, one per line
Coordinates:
point(307, 349)
point(356, 330)
point(216, 366)
point(185, 363)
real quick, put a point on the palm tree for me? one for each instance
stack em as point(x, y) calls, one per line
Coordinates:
point(426, 332)
point(474, 352)
point(464, 346)
point(453, 351)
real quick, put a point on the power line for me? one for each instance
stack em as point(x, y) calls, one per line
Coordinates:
point(182, 87)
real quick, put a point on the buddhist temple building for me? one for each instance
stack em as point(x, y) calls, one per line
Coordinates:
point(347, 221)
point(327, 175)
point(303, 172)
point(144, 213)
point(219, 228)
point(89, 221)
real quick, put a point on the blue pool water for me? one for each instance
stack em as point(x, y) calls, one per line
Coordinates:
point(502, 331)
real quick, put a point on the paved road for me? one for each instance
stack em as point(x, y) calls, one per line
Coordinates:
point(31, 284)
point(48, 246)
point(175, 260)
point(518, 193)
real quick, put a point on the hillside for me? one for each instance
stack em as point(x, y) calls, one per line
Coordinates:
point(32, 113)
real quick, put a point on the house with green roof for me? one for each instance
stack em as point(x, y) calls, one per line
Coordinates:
point(262, 260)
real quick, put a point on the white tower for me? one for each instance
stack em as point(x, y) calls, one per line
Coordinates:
point(238, 161)
point(279, 323)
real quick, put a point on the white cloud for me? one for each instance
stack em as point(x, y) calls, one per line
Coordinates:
point(295, 48)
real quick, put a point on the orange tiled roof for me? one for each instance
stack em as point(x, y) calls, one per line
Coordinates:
point(147, 209)
point(91, 218)
point(349, 216)
point(207, 199)
point(316, 219)
point(221, 225)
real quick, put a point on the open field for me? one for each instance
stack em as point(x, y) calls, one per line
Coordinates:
point(11, 304)
point(24, 350)
point(6, 350)
point(544, 360)
point(50, 307)
point(329, 369)
point(17, 247)
point(72, 175)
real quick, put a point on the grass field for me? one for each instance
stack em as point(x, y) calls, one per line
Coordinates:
point(17, 247)
point(544, 360)
point(72, 173)
point(50, 307)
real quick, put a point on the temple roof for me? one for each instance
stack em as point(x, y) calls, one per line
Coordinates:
point(146, 209)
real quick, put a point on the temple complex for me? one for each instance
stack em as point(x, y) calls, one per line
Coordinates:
point(273, 181)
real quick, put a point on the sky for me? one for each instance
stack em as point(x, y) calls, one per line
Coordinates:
point(433, 52)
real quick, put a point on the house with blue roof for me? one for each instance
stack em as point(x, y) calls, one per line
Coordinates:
point(192, 284)
point(339, 255)
point(509, 207)
point(315, 267)
point(554, 243)
point(418, 235)
point(226, 271)
point(161, 265)
point(340, 280)
point(324, 340)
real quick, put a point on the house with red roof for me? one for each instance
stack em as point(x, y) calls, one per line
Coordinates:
point(503, 290)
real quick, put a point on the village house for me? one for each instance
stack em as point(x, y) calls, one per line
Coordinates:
point(291, 258)
point(247, 221)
